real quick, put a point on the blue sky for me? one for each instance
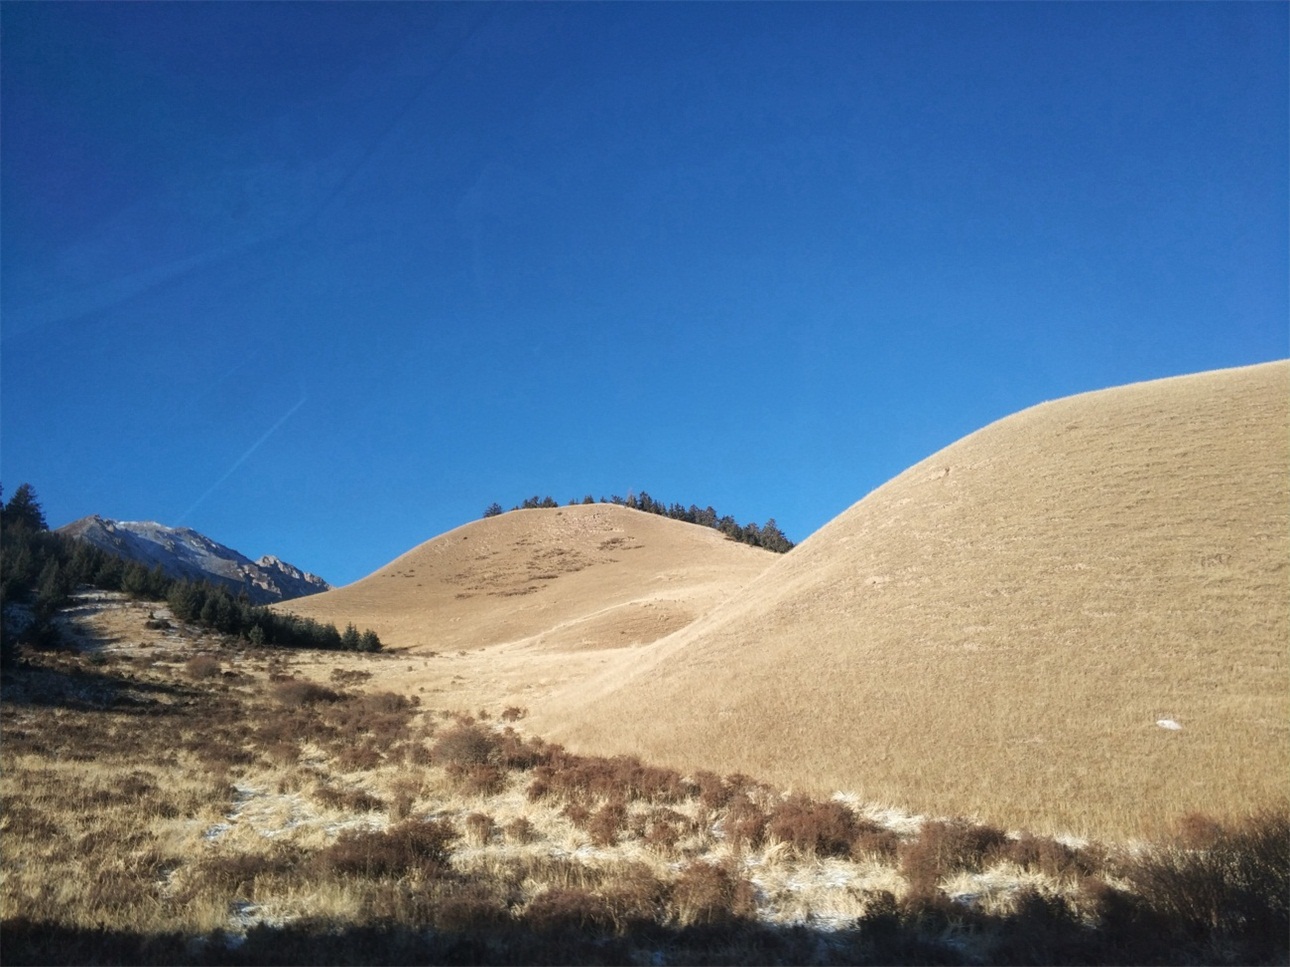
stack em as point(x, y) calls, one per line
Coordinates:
point(323, 281)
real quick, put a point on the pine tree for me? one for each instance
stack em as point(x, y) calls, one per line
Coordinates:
point(369, 642)
point(350, 640)
point(23, 510)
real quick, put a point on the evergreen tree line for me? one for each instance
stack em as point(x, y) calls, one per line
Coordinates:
point(42, 569)
point(768, 535)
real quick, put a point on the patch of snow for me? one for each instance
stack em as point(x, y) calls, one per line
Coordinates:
point(1168, 724)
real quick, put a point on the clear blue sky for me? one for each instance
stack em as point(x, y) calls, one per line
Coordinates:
point(323, 281)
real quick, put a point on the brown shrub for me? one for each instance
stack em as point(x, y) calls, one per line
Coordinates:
point(605, 824)
point(943, 847)
point(200, 667)
point(360, 758)
point(479, 828)
point(466, 745)
point(712, 789)
point(348, 800)
point(560, 910)
point(297, 692)
point(706, 893)
point(514, 752)
point(468, 907)
point(513, 713)
point(634, 897)
point(477, 780)
point(813, 828)
point(1233, 895)
point(1043, 854)
point(415, 846)
point(873, 841)
point(744, 823)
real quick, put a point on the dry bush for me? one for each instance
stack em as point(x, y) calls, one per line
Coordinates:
point(713, 791)
point(945, 847)
point(514, 752)
point(415, 846)
point(595, 777)
point(605, 824)
point(1233, 895)
point(813, 828)
point(201, 667)
point(561, 910)
point(513, 713)
point(297, 692)
point(479, 828)
point(635, 897)
point(237, 872)
point(874, 841)
point(744, 824)
point(363, 757)
point(466, 745)
point(348, 800)
point(476, 780)
point(520, 831)
point(469, 907)
point(707, 893)
point(1043, 854)
point(577, 813)
point(661, 828)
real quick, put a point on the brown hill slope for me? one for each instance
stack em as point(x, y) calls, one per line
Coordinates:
point(578, 578)
point(999, 630)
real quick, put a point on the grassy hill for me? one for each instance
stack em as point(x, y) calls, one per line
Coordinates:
point(999, 630)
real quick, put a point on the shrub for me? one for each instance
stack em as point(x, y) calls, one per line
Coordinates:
point(1043, 854)
point(1233, 895)
point(813, 828)
point(568, 911)
point(513, 713)
point(707, 893)
point(296, 692)
point(744, 823)
point(712, 789)
point(348, 800)
point(943, 847)
point(634, 897)
point(466, 745)
point(469, 908)
point(415, 846)
point(477, 780)
point(605, 823)
point(874, 841)
point(201, 667)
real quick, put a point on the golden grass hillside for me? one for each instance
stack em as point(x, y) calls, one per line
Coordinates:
point(595, 576)
point(1013, 628)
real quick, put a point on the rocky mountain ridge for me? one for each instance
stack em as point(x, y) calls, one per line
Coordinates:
point(184, 553)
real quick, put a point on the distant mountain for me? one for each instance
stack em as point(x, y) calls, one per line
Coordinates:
point(184, 553)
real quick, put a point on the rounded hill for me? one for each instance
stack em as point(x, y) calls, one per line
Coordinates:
point(1073, 619)
point(577, 578)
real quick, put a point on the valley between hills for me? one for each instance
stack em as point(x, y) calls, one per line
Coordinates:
point(1026, 702)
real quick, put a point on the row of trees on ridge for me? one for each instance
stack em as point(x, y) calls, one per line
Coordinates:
point(767, 536)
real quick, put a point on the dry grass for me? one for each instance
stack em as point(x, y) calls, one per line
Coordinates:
point(147, 817)
point(997, 631)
